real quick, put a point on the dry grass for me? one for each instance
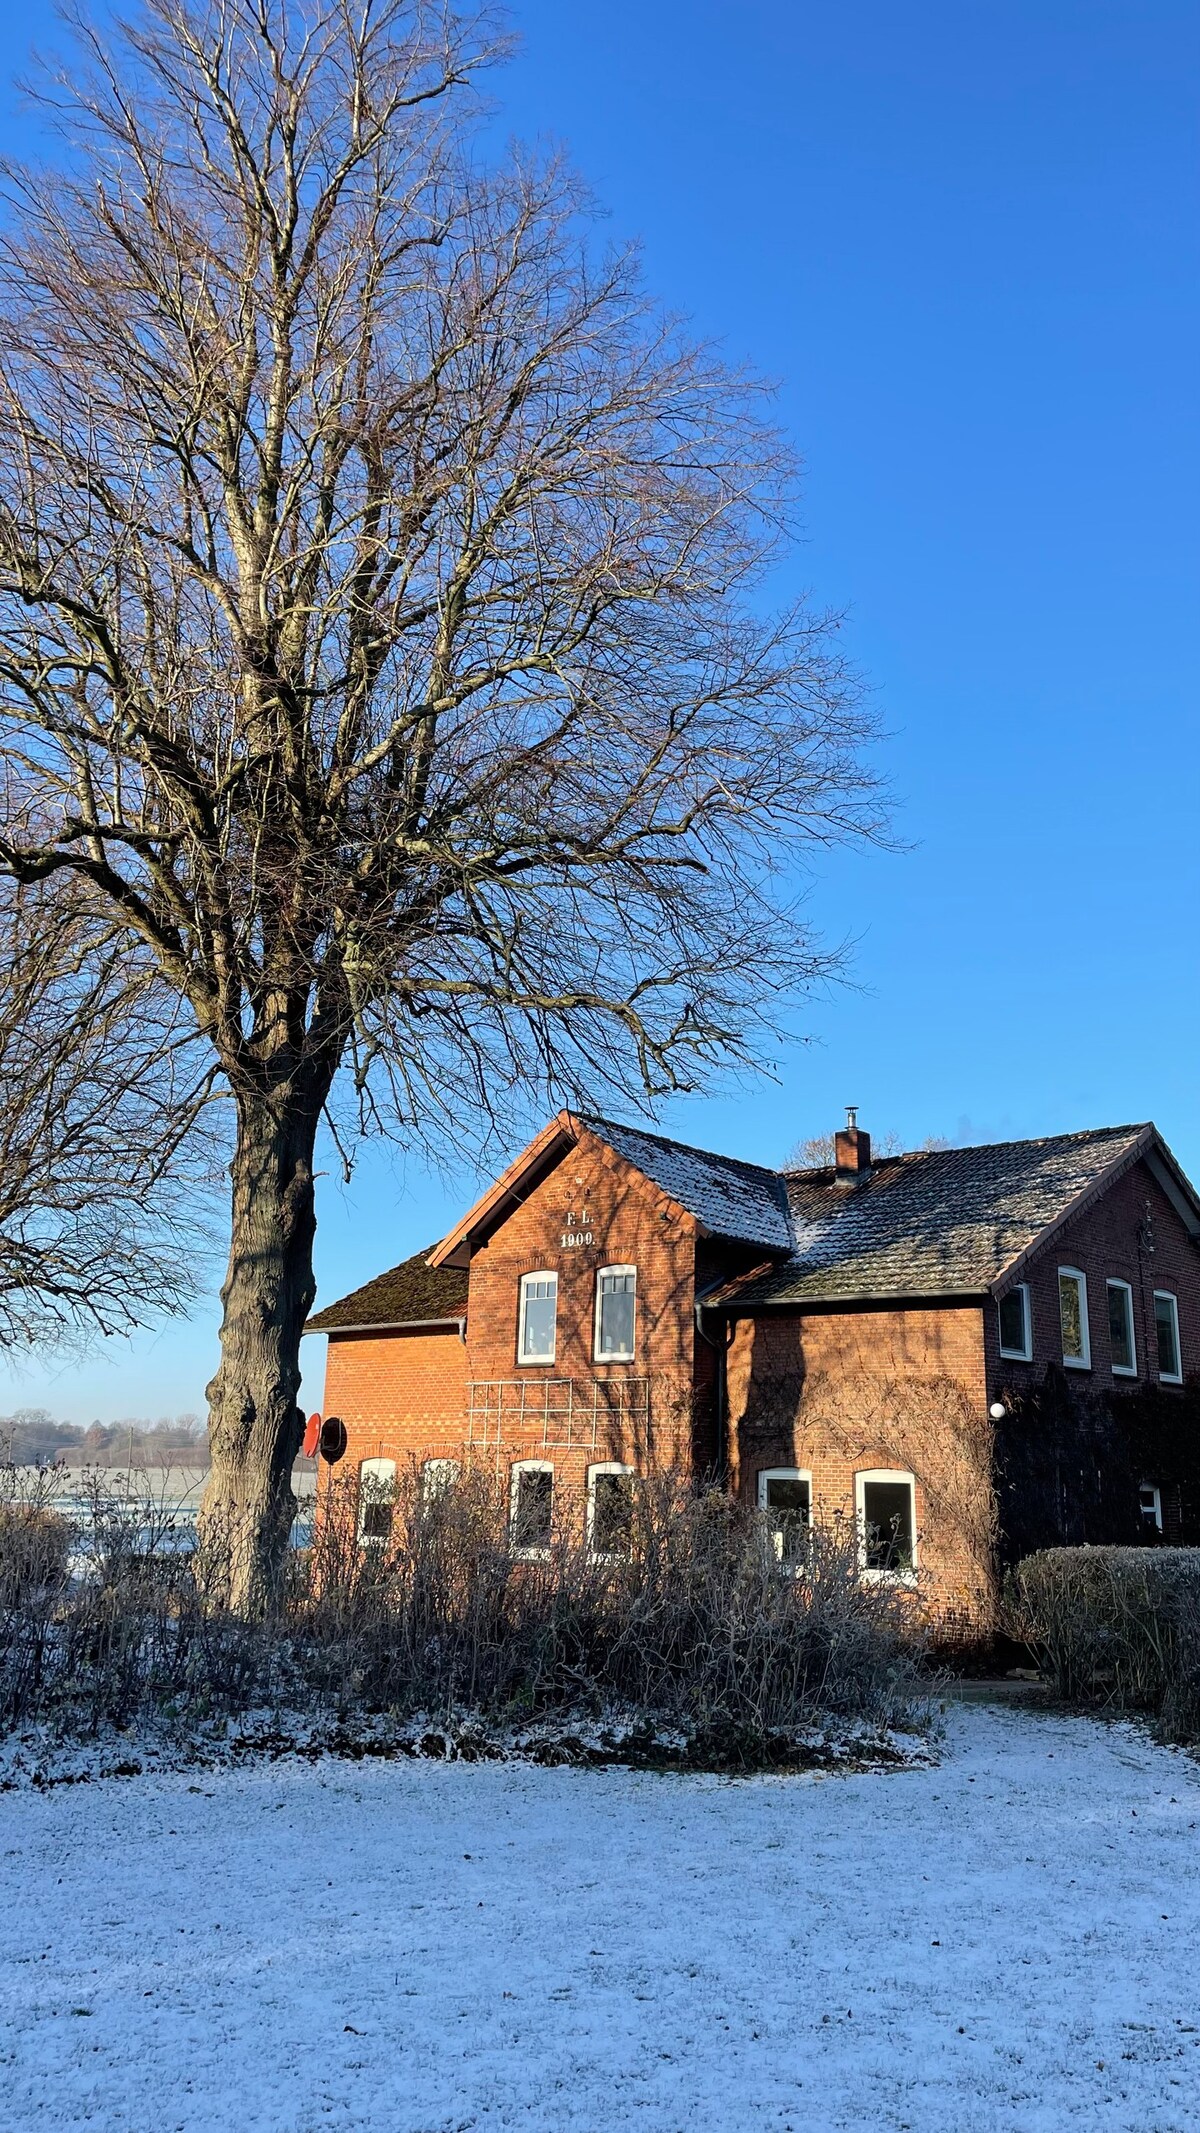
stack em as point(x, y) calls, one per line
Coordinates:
point(693, 1626)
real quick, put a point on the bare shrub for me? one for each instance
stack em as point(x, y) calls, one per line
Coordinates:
point(425, 1606)
point(1116, 1628)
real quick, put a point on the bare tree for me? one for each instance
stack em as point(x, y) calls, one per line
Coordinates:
point(103, 1090)
point(381, 627)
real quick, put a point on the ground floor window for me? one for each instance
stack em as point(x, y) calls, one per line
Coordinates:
point(1150, 1506)
point(610, 1509)
point(437, 1475)
point(376, 1496)
point(531, 1507)
point(887, 1522)
point(785, 1494)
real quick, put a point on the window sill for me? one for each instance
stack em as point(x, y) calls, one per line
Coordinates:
point(888, 1577)
point(1125, 1370)
point(530, 1555)
point(1011, 1355)
point(1166, 1377)
point(627, 1359)
point(1076, 1362)
point(536, 1362)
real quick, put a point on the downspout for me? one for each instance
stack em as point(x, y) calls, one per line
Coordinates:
point(720, 1349)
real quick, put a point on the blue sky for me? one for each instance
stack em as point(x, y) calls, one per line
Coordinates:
point(963, 237)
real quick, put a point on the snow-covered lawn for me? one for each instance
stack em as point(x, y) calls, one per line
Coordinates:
point(1009, 1940)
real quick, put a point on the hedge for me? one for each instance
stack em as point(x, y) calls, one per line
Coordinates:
point(1117, 1628)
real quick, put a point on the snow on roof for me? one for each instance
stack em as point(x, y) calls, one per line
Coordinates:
point(742, 1201)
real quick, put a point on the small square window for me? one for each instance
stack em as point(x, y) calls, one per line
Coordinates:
point(610, 1510)
point(616, 1305)
point(1150, 1506)
point(1120, 1329)
point(1166, 1326)
point(531, 1517)
point(1015, 1338)
point(785, 1494)
point(538, 1318)
point(1073, 1317)
point(887, 1524)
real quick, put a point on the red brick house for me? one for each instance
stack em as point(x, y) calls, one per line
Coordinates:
point(965, 1352)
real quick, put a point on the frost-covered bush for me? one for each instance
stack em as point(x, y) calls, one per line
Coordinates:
point(1117, 1627)
point(426, 1602)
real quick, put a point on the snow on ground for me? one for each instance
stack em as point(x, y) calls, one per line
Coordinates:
point(1010, 1940)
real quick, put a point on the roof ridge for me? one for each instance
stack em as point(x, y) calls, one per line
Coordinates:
point(1039, 1140)
point(668, 1140)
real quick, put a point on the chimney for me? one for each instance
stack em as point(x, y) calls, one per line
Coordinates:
point(853, 1149)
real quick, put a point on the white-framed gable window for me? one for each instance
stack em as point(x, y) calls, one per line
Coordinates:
point(1073, 1318)
point(531, 1508)
point(1166, 1326)
point(886, 1504)
point(1016, 1330)
point(537, 1318)
point(376, 1498)
point(616, 1313)
point(610, 1508)
point(1121, 1340)
point(1150, 1506)
point(785, 1495)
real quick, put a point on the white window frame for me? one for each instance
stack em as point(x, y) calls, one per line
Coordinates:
point(378, 1471)
point(864, 1476)
point(1084, 1361)
point(604, 1466)
point(437, 1475)
point(536, 1553)
point(544, 1273)
point(767, 1474)
point(1150, 1488)
point(1017, 1355)
point(1124, 1370)
point(602, 1355)
point(1169, 1377)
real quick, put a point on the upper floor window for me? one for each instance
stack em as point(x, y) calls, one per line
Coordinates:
point(887, 1522)
point(1120, 1329)
point(1016, 1336)
point(616, 1305)
point(376, 1495)
point(785, 1494)
point(538, 1318)
point(1073, 1316)
point(1166, 1325)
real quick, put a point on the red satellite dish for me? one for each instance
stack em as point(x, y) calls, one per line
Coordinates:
point(312, 1435)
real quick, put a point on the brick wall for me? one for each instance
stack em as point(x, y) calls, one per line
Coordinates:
point(1066, 1465)
point(642, 1413)
point(401, 1395)
point(1132, 1233)
point(838, 1392)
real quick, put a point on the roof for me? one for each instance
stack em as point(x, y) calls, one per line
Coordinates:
point(935, 1223)
point(411, 1294)
point(939, 1222)
point(742, 1201)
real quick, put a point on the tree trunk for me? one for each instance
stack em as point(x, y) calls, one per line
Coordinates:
point(255, 1425)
